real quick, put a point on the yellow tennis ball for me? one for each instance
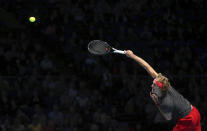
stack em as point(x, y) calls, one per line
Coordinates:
point(32, 19)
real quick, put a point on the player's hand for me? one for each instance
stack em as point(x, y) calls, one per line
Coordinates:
point(128, 53)
point(154, 98)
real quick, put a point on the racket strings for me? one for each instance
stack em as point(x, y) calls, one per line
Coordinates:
point(99, 47)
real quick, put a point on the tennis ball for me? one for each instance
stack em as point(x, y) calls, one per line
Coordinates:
point(32, 19)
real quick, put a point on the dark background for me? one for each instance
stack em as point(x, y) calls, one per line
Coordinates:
point(49, 81)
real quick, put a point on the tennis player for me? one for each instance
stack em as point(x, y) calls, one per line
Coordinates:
point(170, 103)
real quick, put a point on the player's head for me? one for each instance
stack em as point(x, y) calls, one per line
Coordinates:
point(160, 85)
point(164, 81)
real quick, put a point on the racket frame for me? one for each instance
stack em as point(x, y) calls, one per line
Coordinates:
point(109, 49)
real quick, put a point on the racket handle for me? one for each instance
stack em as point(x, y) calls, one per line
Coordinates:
point(118, 51)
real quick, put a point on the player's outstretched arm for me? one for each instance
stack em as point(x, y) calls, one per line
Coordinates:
point(142, 62)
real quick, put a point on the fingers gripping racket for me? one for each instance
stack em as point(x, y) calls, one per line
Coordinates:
point(99, 47)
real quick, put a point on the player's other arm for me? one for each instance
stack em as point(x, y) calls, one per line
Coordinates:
point(142, 62)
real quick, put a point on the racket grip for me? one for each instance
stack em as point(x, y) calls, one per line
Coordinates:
point(119, 52)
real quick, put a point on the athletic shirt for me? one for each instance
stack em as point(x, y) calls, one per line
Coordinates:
point(174, 104)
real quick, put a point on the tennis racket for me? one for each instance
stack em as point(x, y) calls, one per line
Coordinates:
point(99, 47)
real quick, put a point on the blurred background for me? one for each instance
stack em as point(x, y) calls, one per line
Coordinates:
point(49, 81)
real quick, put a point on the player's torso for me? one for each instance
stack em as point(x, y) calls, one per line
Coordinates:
point(175, 104)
